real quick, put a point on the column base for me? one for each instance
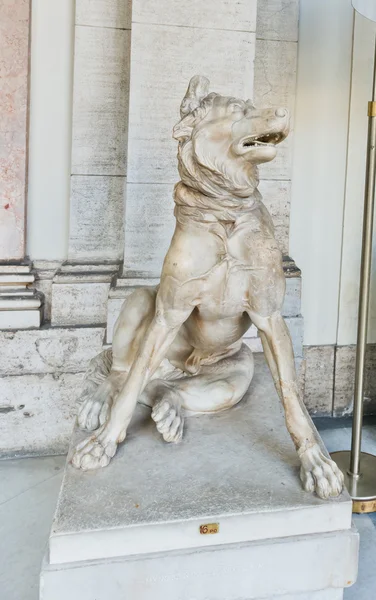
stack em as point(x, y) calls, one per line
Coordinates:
point(21, 307)
point(80, 292)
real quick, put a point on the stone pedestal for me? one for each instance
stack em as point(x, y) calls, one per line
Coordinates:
point(139, 528)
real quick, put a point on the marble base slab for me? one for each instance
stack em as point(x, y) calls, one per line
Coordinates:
point(138, 521)
point(313, 567)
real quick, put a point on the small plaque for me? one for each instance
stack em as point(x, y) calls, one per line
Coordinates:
point(209, 528)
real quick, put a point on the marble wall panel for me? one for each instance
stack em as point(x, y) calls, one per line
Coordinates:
point(276, 197)
point(96, 218)
point(164, 58)
point(14, 77)
point(319, 379)
point(211, 14)
point(278, 20)
point(100, 101)
point(275, 85)
point(150, 224)
point(104, 13)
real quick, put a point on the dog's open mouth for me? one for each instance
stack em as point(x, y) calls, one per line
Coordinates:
point(269, 139)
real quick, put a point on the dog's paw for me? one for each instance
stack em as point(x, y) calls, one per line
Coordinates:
point(169, 420)
point(96, 451)
point(93, 413)
point(320, 474)
point(96, 408)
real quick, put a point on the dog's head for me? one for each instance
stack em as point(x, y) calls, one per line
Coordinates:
point(223, 139)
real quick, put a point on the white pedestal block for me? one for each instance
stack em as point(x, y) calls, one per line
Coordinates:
point(134, 531)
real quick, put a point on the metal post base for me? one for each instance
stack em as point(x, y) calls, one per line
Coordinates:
point(362, 489)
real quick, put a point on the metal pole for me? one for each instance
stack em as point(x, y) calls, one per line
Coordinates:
point(365, 275)
point(359, 468)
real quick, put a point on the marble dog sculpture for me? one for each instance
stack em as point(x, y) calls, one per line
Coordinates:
point(178, 347)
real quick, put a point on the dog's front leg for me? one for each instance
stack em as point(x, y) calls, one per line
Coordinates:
point(98, 450)
point(318, 472)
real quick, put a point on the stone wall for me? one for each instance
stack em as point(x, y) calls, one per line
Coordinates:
point(329, 374)
point(131, 68)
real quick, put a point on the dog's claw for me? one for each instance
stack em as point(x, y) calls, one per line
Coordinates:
point(169, 420)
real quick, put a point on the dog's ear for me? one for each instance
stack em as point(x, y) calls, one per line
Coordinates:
point(183, 130)
point(197, 90)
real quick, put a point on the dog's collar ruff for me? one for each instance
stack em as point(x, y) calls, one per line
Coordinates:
point(192, 204)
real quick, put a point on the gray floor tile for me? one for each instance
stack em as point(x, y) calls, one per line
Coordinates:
point(340, 439)
point(25, 521)
point(365, 587)
point(18, 475)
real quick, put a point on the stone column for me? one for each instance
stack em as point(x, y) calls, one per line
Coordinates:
point(99, 144)
point(19, 306)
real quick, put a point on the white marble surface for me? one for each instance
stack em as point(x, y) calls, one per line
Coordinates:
point(20, 304)
point(238, 467)
point(301, 568)
point(20, 319)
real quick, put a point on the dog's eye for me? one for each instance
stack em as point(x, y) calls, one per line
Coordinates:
point(236, 107)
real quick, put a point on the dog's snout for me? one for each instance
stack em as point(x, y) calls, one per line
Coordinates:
point(281, 112)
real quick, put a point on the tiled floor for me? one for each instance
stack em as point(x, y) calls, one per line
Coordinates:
point(28, 493)
point(337, 436)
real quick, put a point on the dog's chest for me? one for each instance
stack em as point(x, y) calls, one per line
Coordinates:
point(227, 284)
point(238, 243)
